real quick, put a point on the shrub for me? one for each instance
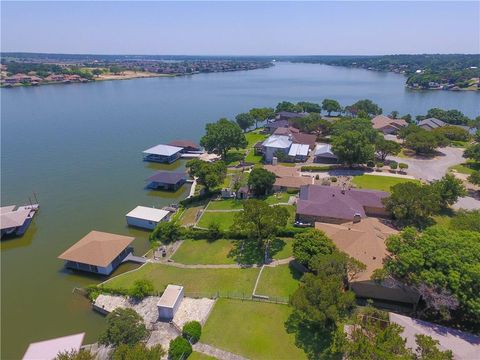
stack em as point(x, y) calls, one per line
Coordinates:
point(167, 232)
point(179, 349)
point(92, 291)
point(393, 165)
point(124, 326)
point(192, 331)
point(214, 232)
point(370, 164)
point(141, 288)
point(403, 166)
point(317, 177)
point(317, 167)
point(380, 164)
point(333, 179)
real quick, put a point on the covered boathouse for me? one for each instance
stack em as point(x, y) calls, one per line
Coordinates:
point(146, 217)
point(166, 180)
point(98, 252)
point(163, 153)
point(49, 349)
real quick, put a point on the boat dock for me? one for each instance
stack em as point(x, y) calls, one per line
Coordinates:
point(15, 221)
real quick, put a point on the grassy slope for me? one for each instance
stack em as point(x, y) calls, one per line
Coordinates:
point(225, 219)
point(280, 281)
point(254, 330)
point(204, 252)
point(383, 183)
point(194, 280)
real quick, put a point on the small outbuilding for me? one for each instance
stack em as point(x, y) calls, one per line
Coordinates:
point(166, 180)
point(324, 154)
point(170, 301)
point(49, 349)
point(163, 153)
point(147, 217)
point(97, 252)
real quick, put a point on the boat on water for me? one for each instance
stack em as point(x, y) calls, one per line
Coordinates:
point(14, 220)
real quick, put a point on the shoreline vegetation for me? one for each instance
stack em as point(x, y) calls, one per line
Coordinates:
point(44, 69)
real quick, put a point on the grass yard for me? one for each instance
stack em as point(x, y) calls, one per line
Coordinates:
point(280, 281)
point(199, 356)
point(466, 168)
point(228, 204)
point(253, 137)
point(252, 158)
point(280, 197)
point(382, 183)
point(204, 252)
point(286, 251)
point(189, 215)
point(224, 219)
point(251, 329)
point(204, 281)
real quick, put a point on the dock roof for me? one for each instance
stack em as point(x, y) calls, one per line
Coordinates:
point(170, 296)
point(163, 150)
point(49, 349)
point(167, 177)
point(148, 213)
point(97, 248)
point(12, 219)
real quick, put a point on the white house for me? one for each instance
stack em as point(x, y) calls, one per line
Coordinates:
point(170, 301)
point(146, 217)
point(276, 143)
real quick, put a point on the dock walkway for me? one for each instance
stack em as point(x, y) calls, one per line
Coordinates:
point(136, 259)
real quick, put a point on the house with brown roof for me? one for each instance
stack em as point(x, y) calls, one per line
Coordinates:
point(365, 241)
point(282, 171)
point(333, 204)
point(289, 183)
point(387, 125)
point(97, 252)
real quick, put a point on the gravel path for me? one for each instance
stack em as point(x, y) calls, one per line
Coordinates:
point(216, 353)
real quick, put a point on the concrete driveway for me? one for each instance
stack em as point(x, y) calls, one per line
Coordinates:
point(434, 168)
point(467, 203)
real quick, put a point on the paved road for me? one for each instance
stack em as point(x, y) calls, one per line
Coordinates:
point(435, 168)
point(467, 203)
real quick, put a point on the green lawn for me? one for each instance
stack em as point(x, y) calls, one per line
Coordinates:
point(204, 252)
point(253, 137)
point(284, 252)
point(224, 219)
point(281, 197)
point(252, 158)
point(280, 281)
point(383, 183)
point(199, 356)
point(207, 281)
point(228, 204)
point(189, 215)
point(466, 168)
point(251, 329)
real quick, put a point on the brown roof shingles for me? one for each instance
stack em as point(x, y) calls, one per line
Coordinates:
point(97, 248)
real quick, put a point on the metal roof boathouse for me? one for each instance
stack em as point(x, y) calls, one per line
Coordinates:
point(163, 153)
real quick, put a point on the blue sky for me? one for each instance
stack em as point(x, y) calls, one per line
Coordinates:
point(241, 28)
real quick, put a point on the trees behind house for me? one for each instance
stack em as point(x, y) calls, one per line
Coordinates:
point(260, 222)
point(420, 259)
point(454, 117)
point(330, 105)
point(209, 174)
point(312, 123)
point(287, 106)
point(353, 147)
point(453, 133)
point(245, 121)
point(261, 114)
point(261, 181)
point(384, 148)
point(364, 107)
point(222, 136)
point(309, 107)
point(124, 326)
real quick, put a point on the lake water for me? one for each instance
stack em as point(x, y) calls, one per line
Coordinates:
point(78, 147)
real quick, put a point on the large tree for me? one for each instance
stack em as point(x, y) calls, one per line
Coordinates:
point(445, 261)
point(365, 106)
point(449, 189)
point(222, 136)
point(261, 181)
point(261, 114)
point(245, 121)
point(287, 106)
point(260, 222)
point(384, 148)
point(309, 107)
point(124, 326)
point(330, 105)
point(412, 203)
point(309, 244)
point(353, 147)
point(209, 174)
point(363, 126)
point(423, 141)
